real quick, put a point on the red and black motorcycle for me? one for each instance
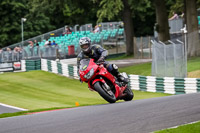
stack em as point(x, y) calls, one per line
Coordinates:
point(100, 80)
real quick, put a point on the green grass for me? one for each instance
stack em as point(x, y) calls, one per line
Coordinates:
point(40, 90)
point(193, 64)
point(121, 57)
point(190, 128)
point(138, 95)
point(138, 69)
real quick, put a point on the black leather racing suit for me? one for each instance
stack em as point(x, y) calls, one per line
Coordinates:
point(96, 52)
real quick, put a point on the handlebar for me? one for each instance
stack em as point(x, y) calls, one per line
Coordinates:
point(99, 63)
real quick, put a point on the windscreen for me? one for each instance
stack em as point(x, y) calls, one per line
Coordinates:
point(84, 64)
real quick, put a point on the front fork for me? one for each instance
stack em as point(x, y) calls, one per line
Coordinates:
point(106, 88)
point(118, 90)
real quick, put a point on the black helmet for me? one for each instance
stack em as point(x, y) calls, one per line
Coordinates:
point(85, 43)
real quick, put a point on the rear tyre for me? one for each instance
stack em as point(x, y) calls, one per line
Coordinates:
point(108, 96)
point(129, 94)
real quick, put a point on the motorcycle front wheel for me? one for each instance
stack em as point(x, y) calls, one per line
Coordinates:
point(108, 95)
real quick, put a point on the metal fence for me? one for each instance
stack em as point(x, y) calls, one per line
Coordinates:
point(39, 38)
point(24, 50)
point(169, 60)
point(142, 47)
point(27, 52)
point(86, 27)
point(10, 56)
point(175, 26)
point(110, 25)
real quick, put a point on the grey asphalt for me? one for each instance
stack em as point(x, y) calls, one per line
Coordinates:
point(140, 116)
point(4, 109)
point(119, 63)
point(129, 62)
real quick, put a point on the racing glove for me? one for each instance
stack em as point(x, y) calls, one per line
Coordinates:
point(101, 59)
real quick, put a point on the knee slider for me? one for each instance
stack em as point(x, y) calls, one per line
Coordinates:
point(115, 66)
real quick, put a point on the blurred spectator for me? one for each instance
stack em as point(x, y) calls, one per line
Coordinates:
point(31, 46)
point(36, 43)
point(16, 54)
point(121, 25)
point(53, 43)
point(182, 15)
point(57, 51)
point(9, 54)
point(175, 16)
point(8, 49)
point(46, 43)
point(20, 52)
point(96, 29)
point(67, 31)
point(50, 43)
point(37, 47)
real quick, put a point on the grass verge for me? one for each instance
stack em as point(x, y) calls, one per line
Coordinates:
point(193, 64)
point(40, 90)
point(144, 69)
point(121, 57)
point(189, 128)
point(138, 69)
point(194, 74)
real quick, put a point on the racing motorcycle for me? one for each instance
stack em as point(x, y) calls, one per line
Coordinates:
point(100, 80)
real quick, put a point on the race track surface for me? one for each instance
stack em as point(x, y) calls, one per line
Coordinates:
point(4, 109)
point(141, 116)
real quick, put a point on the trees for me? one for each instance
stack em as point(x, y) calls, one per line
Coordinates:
point(190, 10)
point(42, 16)
point(11, 13)
point(110, 9)
point(37, 21)
point(127, 10)
point(46, 15)
point(128, 27)
point(79, 12)
point(162, 26)
point(192, 28)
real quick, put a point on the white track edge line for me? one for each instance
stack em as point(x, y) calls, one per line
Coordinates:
point(177, 126)
point(9, 106)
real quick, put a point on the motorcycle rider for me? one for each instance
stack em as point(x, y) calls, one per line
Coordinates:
point(99, 54)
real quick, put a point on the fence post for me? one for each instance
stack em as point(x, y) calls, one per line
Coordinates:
point(116, 46)
point(150, 47)
point(155, 58)
point(174, 48)
point(135, 46)
point(184, 55)
point(141, 48)
point(164, 54)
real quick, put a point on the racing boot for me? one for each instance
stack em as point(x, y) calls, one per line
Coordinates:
point(116, 73)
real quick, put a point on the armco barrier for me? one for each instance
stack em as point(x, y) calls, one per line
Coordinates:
point(28, 65)
point(168, 85)
point(165, 85)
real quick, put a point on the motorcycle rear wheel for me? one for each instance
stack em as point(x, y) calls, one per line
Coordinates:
point(108, 97)
point(129, 94)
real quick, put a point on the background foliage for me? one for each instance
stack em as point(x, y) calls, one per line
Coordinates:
point(46, 15)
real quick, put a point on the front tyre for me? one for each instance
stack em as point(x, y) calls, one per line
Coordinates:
point(108, 95)
point(129, 94)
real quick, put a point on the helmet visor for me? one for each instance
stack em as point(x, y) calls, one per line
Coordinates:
point(84, 46)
